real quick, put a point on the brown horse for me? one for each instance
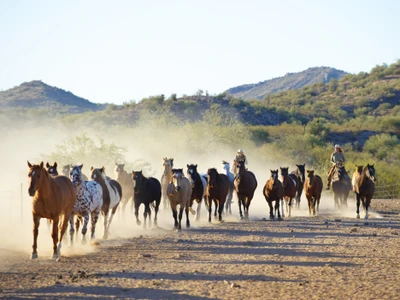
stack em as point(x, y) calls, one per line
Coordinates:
point(365, 188)
point(313, 190)
point(125, 180)
point(52, 198)
point(217, 190)
point(52, 169)
point(273, 191)
point(300, 173)
point(289, 182)
point(179, 191)
point(245, 185)
point(341, 186)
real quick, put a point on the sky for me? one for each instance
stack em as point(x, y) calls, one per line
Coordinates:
point(121, 51)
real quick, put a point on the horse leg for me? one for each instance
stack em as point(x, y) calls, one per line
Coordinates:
point(180, 217)
point(94, 216)
point(84, 227)
point(105, 231)
point(155, 214)
point(111, 218)
point(198, 208)
point(283, 206)
point(271, 210)
point(145, 213)
point(175, 216)
point(138, 223)
point(317, 200)
point(220, 211)
point(366, 202)
point(209, 209)
point(36, 223)
point(71, 229)
point(240, 207)
point(358, 205)
point(277, 209)
point(54, 236)
point(187, 217)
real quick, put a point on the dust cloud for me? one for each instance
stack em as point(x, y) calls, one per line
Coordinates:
point(35, 143)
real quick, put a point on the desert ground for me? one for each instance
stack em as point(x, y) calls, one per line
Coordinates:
point(330, 256)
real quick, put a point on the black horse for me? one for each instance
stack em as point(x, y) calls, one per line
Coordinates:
point(245, 186)
point(199, 186)
point(147, 191)
point(300, 173)
point(217, 190)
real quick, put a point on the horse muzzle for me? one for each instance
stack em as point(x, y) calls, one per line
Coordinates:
point(177, 188)
point(31, 192)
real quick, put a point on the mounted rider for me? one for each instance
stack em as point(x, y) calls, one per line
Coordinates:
point(337, 157)
point(240, 157)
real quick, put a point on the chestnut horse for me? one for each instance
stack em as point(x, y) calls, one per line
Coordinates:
point(217, 190)
point(313, 190)
point(179, 191)
point(365, 188)
point(273, 191)
point(290, 183)
point(300, 173)
point(125, 180)
point(168, 164)
point(52, 198)
point(245, 185)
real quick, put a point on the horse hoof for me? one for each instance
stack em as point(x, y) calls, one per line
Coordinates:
point(55, 256)
point(241, 218)
point(188, 225)
point(34, 256)
point(358, 216)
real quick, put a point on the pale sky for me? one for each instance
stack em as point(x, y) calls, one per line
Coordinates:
point(118, 51)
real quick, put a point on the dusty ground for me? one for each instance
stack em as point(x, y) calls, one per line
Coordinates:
point(332, 256)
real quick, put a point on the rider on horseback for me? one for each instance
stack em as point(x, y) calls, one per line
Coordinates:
point(240, 157)
point(337, 157)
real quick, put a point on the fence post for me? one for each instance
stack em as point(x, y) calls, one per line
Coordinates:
point(22, 202)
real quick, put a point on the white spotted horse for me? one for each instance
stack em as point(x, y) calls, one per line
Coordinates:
point(89, 201)
point(226, 170)
point(147, 191)
point(65, 170)
point(126, 182)
point(112, 195)
point(199, 188)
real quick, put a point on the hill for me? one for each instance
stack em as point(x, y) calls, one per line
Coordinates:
point(291, 81)
point(37, 94)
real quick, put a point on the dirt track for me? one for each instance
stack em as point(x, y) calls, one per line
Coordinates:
point(332, 256)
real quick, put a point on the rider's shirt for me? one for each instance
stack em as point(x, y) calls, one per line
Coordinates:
point(337, 156)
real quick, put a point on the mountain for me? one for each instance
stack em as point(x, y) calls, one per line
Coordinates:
point(291, 81)
point(37, 94)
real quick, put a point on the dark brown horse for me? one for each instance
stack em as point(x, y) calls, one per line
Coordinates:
point(245, 186)
point(53, 197)
point(199, 187)
point(365, 188)
point(290, 183)
point(217, 190)
point(313, 190)
point(341, 186)
point(273, 191)
point(125, 180)
point(301, 177)
point(52, 169)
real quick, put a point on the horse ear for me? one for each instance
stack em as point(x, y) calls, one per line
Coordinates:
point(80, 167)
point(195, 165)
point(91, 168)
point(41, 164)
point(123, 165)
point(47, 165)
point(102, 169)
point(55, 164)
point(29, 164)
point(116, 164)
point(187, 165)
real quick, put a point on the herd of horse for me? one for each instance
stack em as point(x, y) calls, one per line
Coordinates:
point(61, 198)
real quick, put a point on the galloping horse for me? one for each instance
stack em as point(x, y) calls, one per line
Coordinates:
point(300, 173)
point(365, 188)
point(52, 169)
point(217, 190)
point(52, 198)
point(179, 192)
point(125, 180)
point(89, 200)
point(341, 186)
point(112, 194)
point(168, 164)
point(226, 170)
point(245, 186)
point(313, 190)
point(199, 188)
point(147, 192)
point(289, 183)
point(273, 191)
point(356, 176)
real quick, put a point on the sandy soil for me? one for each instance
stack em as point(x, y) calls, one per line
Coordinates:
point(331, 256)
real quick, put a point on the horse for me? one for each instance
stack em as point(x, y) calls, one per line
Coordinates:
point(52, 198)
point(273, 191)
point(217, 191)
point(168, 164)
point(356, 176)
point(112, 194)
point(313, 190)
point(226, 170)
point(199, 188)
point(289, 183)
point(52, 169)
point(147, 191)
point(300, 173)
point(341, 186)
point(125, 180)
point(179, 192)
point(245, 185)
point(89, 201)
point(66, 170)
point(365, 188)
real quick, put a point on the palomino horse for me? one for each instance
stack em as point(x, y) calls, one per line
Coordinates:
point(52, 198)
point(125, 180)
point(199, 188)
point(365, 188)
point(66, 170)
point(226, 170)
point(245, 186)
point(356, 176)
point(290, 183)
point(112, 194)
point(217, 190)
point(89, 200)
point(147, 191)
point(52, 169)
point(179, 192)
point(168, 164)
point(341, 186)
point(273, 191)
point(300, 173)
point(313, 190)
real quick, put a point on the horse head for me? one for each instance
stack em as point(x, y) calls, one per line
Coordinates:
point(301, 170)
point(212, 177)
point(192, 171)
point(341, 171)
point(284, 175)
point(98, 174)
point(76, 173)
point(274, 179)
point(240, 169)
point(138, 180)
point(35, 177)
point(176, 180)
point(52, 169)
point(310, 176)
point(225, 166)
point(119, 170)
point(168, 164)
point(370, 172)
point(65, 170)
